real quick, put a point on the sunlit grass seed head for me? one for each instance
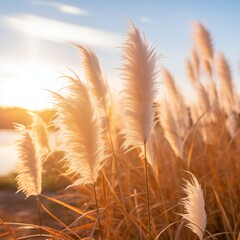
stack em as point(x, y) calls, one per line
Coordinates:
point(203, 42)
point(40, 133)
point(29, 167)
point(194, 206)
point(98, 85)
point(80, 129)
point(170, 129)
point(226, 88)
point(139, 75)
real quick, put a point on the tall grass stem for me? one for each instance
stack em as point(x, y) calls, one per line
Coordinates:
point(39, 216)
point(114, 157)
point(147, 190)
point(98, 215)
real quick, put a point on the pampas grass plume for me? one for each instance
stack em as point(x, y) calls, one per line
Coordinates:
point(40, 133)
point(226, 85)
point(170, 129)
point(232, 122)
point(203, 99)
point(190, 72)
point(194, 207)
point(29, 167)
point(167, 77)
point(98, 85)
point(81, 131)
point(176, 103)
point(195, 63)
point(203, 42)
point(139, 75)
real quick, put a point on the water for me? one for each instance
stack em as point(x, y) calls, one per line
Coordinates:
point(8, 152)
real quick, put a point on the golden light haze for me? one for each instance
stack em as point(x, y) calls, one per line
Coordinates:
point(125, 156)
point(29, 83)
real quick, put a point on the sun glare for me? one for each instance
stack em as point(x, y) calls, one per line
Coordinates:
point(29, 85)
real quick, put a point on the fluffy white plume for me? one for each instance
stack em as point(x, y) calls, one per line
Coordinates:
point(98, 85)
point(194, 207)
point(203, 99)
point(176, 104)
point(190, 72)
point(40, 134)
point(149, 150)
point(226, 85)
point(29, 167)
point(170, 129)
point(80, 129)
point(195, 63)
point(139, 75)
point(232, 124)
point(203, 43)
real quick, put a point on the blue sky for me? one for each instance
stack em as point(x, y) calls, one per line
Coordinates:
point(35, 39)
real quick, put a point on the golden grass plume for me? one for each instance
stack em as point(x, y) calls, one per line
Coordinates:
point(80, 129)
point(194, 207)
point(29, 167)
point(139, 74)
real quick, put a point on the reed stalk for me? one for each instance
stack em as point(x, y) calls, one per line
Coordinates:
point(147, 190)
point(98, 215)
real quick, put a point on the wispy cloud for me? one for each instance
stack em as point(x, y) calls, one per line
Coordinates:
point(65, 8)
point(57, 31)
point(145, 19)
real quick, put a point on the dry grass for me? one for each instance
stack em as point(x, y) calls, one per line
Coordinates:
point(202, 138)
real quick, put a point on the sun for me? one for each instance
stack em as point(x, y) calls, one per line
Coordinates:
point(29, 84)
